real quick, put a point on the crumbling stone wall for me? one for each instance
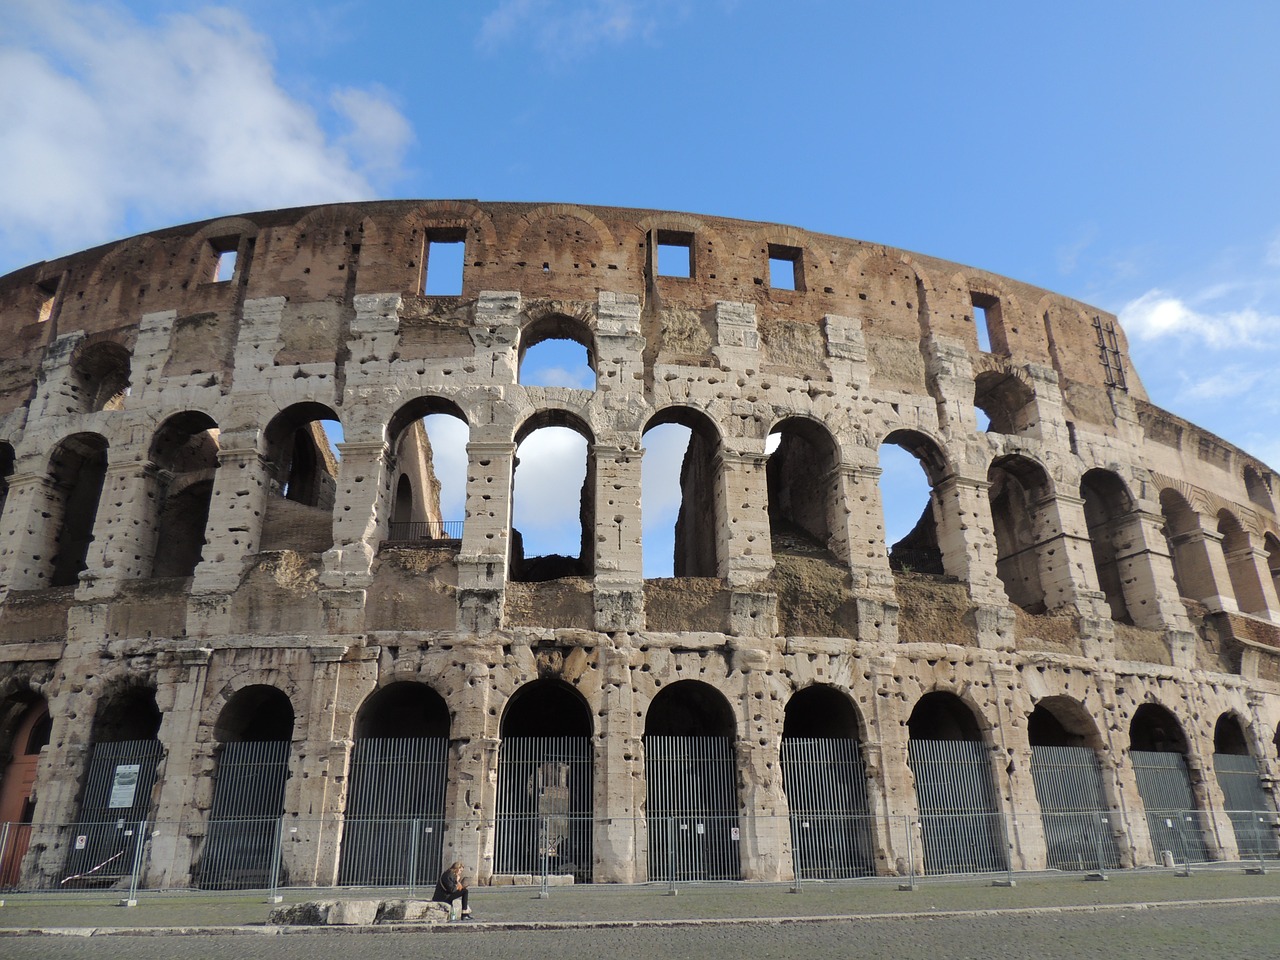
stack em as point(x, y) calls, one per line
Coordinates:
point(1070, 513)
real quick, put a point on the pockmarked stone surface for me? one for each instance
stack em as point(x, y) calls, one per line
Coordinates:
point(242, 642)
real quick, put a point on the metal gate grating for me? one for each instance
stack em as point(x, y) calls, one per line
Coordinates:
point(393, 831)
point(244, 823)
point(826, 787)
point(544, 807)
point(1073, 809)
point(692, 808)
point(959, 823)
point(1166, 794)
point(1247, 804)
point(117, 795)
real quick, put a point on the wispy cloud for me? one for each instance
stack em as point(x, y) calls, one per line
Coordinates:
point(1233, 381)
point(568, 28)
point(113, 124)
point(1159, 315)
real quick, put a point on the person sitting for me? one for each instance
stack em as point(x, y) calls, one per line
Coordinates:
point(451, 887)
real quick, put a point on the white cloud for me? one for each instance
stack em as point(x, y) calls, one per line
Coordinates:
point(1273, 252)
point(567, 28)
point(449, 437)
point(548, 483)
point(113, 125)
point(1157, 315)
point(1233, 381)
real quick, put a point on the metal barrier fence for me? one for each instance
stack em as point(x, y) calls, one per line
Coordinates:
point(404, 531)
point(410, 852)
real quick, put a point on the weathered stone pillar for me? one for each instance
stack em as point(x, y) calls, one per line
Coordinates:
point(891, 792)
point(765, 845)
point(1202, 567)
point(360, 514)
point(486, 549)
point(1014, 781)
point(471, 798)
point(124, 532)
point(1065, 559)
point(962, 508)
point(32, 516)
point(1219, 834)
point(180, 818)
point(619, 575)
point(1119, 783)
point(236, 508)
point(619, 839)
point(1142, 557)
point(1251, 581)
point(746, 551)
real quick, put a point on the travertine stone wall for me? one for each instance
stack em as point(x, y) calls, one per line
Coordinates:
point(325, 318)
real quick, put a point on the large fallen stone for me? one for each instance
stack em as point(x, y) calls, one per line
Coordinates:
point(320, 913)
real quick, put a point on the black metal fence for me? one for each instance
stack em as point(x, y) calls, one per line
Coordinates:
point(409, 531)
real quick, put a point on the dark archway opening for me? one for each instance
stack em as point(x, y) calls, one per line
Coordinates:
point(1247, 803)
point(185, 453)
point(77, 470)
point(303, 474)
point(1018, 489)
point(1157, 748)
point(801, 485)
point(1107, 505)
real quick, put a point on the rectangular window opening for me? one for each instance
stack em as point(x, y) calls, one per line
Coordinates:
point(674, 254)
point(986, 321)
point(445, 258)
point(785, 271)
point(224, 258)
point(48, 300)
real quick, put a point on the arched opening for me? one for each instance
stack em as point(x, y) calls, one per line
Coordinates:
point(394, 825)
point(25, 726)
point(1069, 788)
point(1191, 571)
point(1258, 489)
point(960, 824)
point(254, 733)
point(553, 531)
point(1019, 490)
point(825, 780)
point(1241, 564)
point(100, 377)
point(544, 783)
point(429, 439)
point(1271, 543)
point(802, 487)
point(1157, 750)
point(185, 454)
point(910, 465)
point(680, 495)
point(691, 784)
point(1107, 505)
point(557, 351)
point(76, 472)
point(116, 792)
point(1004, 401)
point(1247, 804)
point(303, 467)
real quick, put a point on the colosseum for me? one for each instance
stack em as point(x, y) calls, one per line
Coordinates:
point(241, 641)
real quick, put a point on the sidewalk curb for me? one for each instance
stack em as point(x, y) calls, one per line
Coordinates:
point(481, 926)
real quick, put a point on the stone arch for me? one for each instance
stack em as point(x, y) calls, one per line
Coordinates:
point(556, 325)
point(561, 239)
point(303, 479)
point(100, 374)
point(1063, 721)
point(921, 551)
point(551, 566)
point(803, 486)
point(125, 274)
point(403, 709)
point(1192, 570)
point(955, 793)
point(895, 289)
point(777, 242)
point(184, 452)
point(1159, 750)
point(1005, 396)
point(1245, 799)
point(707, 247)
point(416, 510)
point(1108, 505)
point(696, 550)
point(1242, 568)
point(254, 733)
point(1020, 492)
point(1271, 544)
point(77, 468)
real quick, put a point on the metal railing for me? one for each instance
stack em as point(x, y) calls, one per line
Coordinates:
point(684, 848)
point(431, 531)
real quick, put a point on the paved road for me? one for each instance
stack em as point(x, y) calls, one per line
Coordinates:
point(1167, 933)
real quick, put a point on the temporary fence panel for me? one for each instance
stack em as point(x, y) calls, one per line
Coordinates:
point(1172, 816)
point(544, 820)
point(959, 824)
point(117, 795)
point(1073, 809)
point(394, 826)
point(1248, 806)
point(242, 845)
point(826, 786)
point(692, 808)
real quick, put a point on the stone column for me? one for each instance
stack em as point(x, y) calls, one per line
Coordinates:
point(236, 508)
point(360, 514)
point(1119, 783)
point(485, 553)
point(963, 511)
point(891, 794)
point(765, 830)
point(180, 818)
point(619, 575)
point(32, 515)
point(1219, 834)
point(1251, 581)
point(471, 798)
point(1065, 559)
point(1146, 572)
point(619, 837)
point(124, 532)
point(1014, 781)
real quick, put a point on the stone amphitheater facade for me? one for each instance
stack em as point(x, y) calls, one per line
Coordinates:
point(182, 564)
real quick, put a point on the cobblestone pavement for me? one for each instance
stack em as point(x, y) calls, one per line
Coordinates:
point(1225, 932)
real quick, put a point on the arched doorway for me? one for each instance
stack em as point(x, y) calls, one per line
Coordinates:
point(394, 826)
point(825, 781)
point(960, 824)
point(116, 797)
point(1248, 806)
point(29, 725)
point(254, 733)
point(1068, 782)
point(545, 783)
point(1157, 750)
point(691, 784)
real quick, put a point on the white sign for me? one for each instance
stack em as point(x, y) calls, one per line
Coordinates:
point(81, 842)
point(733, 832)
point(124, 786)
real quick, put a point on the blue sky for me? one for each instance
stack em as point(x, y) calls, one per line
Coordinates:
point(1122, 153)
